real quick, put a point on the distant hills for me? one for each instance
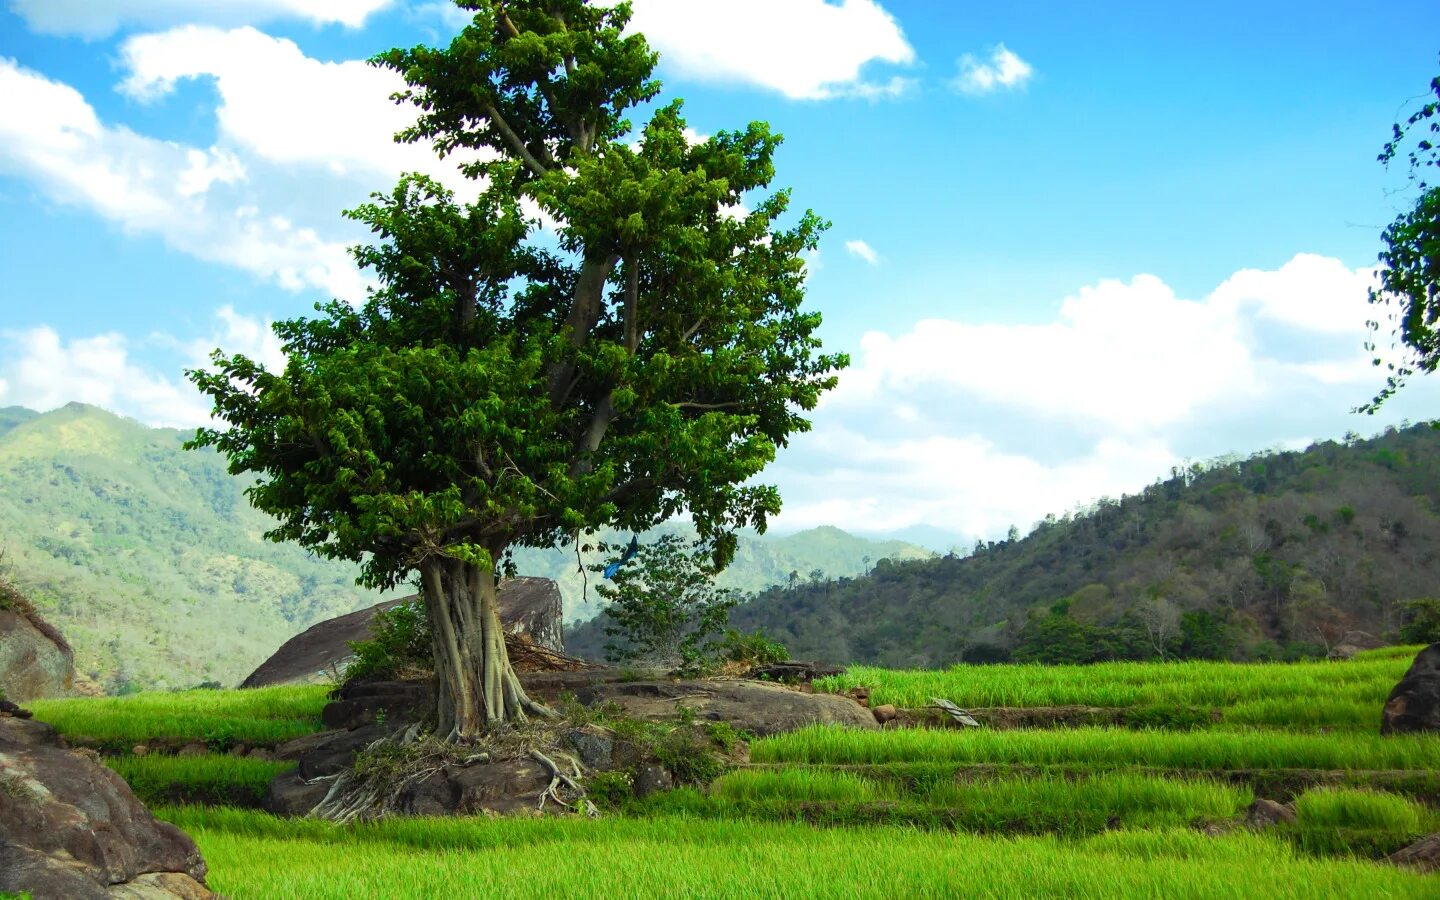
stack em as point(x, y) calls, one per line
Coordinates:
point(151, 562)
point(1271, 556)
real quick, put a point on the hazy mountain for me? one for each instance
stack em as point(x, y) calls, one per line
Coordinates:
point(1273, 555)
point(151, 562)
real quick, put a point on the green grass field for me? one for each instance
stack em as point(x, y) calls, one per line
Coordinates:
point(1344, 695)
point(265, 716)
point(685, 857)
point(827, 812)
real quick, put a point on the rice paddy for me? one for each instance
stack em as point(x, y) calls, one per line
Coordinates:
point(1309, 695)
point(829, 812)
point(219, 718)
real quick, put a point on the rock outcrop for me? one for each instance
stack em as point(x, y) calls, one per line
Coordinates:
point(71, 828)
point(35, 661)
point(759, 708)
point(1414, 704)
point(1353, 642)
point(1422, 856)
point(528, 606)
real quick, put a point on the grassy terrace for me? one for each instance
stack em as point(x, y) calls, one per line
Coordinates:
point(686, 857)
point(1101, 748)
point(1307, 695)
point(1086, 811)
point(267, 716)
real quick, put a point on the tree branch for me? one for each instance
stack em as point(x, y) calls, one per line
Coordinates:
point(513, 141)
point(632, 307)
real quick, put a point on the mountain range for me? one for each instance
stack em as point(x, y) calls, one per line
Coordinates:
point(151, 562)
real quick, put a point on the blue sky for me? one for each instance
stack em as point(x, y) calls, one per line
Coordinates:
point(1073, 245)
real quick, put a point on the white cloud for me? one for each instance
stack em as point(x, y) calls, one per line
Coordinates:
point(43, 371)
point(972, 427)
point(280, 105)
point(98, 18)
point(1003, 71)
point(805, 49)
point(863, 251)
point(52, 136)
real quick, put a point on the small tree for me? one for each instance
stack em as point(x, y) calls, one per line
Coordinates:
point(506, 387)
point(1410, 262)
point(664, 606)
point(1422, 621)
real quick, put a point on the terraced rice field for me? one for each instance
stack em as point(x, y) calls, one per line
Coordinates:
point(825, 812)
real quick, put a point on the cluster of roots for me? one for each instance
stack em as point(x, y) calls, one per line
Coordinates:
point(373, 787)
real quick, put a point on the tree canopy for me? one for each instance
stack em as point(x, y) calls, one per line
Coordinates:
point(610, 333)
point(1410, 263)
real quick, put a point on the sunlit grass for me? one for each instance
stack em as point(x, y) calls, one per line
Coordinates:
point(252, 855)
point(1299, 695)
point(266, 715)
point(210, 778)
point(1101, 747)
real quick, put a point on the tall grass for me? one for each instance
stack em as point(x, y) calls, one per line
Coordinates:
point(1028, 803)
point(266, 715)
point(1101, 748)
point(210, 778)
point(1281, 689)
point(257, 856)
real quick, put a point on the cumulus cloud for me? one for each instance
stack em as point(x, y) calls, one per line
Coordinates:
point(863, 251)
point(804, 49)
point(42, 370)
point(53, 137)
point(279, 104)
point(1004, 70)
point(98, 18)
point(971, 427)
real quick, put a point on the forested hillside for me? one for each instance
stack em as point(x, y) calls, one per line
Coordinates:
point(1272, 556)
point(147, 557)
point(151, 562)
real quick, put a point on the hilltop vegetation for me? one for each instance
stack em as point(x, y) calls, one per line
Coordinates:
point(1272, 556)
point(151, 562)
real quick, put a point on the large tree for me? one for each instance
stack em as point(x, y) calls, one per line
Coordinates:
point(641, 355)
point(1409, 288)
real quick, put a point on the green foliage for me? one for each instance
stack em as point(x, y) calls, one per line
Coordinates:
point(1055, 638)
point(1422, 621)
point(1409, 274)
point(399, 644)
point(755, 649)
point(664, 608)
point(610, 790)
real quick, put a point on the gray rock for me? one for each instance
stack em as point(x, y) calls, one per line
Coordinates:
point(1263, 813)
point(594, 745)
point(759, 708)
point(70, 827)
point(35, 661)
point(651, 778)
point(1423, 855)
point(290, 795)
point(1414, 704)
point(528, 606)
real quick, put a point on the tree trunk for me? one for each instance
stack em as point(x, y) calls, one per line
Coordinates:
point(476, 687)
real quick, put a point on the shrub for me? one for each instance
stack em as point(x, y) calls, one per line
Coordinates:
point(400, 643)
point(1422, 622)
point(755, 649)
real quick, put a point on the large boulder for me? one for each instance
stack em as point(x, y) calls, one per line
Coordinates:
point(71, 828)
point(1353, 642)
point(529, 607)
point(1414, 704)
point(752, 706)
point(35, 661)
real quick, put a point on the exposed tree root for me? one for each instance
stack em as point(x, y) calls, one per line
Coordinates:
point(559, 778)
